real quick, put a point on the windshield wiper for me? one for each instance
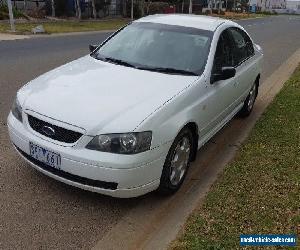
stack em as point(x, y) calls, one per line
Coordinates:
point(168, 70)
point(155, 69)
point(115, 61)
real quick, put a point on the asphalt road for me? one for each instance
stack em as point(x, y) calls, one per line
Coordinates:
point(38, 212)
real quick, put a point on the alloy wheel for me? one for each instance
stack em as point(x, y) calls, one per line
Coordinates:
point(180, 160)
point(252, 96)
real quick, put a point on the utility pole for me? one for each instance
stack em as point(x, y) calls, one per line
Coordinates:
point(11, 16)
point(191, 7)
point(131, 9)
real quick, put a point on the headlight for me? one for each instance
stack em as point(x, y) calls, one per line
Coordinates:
point(127, 143)
point(17, 110)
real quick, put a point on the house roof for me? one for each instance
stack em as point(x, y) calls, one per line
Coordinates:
point(194, 21)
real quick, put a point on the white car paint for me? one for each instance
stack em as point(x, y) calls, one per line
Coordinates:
point(95, 97)
point(101, 86)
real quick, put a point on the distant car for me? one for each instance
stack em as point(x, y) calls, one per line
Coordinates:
point(128, 118)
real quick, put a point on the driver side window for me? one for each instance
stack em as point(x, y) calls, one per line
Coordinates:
point(224, 53)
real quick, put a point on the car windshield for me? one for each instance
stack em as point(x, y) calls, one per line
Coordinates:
point(158, 47)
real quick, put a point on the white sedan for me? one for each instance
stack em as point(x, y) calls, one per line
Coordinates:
point(129, 117)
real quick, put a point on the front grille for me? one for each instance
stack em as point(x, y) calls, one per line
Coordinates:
point(68, 176)
point(60, 134)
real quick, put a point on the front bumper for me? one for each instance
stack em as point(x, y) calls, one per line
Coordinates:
point(110, 174)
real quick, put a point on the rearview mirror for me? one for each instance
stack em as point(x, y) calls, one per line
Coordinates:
point(224, 74)
point(92, 47)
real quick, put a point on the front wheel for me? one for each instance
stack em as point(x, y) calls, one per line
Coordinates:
point(249, 102)
point(177, 163)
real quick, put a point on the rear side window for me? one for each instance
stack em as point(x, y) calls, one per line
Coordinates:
point(243, 47)
point(224, 53)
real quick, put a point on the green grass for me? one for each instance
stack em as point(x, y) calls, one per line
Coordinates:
point(259, 192)
point(67, 26)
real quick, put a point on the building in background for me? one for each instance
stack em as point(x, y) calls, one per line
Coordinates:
point(267, 5)
point(293, 5)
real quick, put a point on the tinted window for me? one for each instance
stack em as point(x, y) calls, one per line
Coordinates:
point(243, 46)
point(249, 44)
point(224, 52)
point(159, 45)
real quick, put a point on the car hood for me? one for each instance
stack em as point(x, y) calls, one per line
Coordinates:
point(99, 96)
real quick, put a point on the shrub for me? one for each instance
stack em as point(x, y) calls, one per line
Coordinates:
point(136, 9)
point(37, 13)
point(61, 8)
point(266, 13)
point(156, 8)
point(4, 13)
point(216, 11)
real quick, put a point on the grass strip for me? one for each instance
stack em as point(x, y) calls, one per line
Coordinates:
point(67, 26)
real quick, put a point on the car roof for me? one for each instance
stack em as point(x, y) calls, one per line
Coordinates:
point(193, 21)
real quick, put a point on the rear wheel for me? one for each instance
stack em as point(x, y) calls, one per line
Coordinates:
point(177, 163)
point(249, 102)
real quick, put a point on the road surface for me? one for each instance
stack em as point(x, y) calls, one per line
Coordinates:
point(38, 212)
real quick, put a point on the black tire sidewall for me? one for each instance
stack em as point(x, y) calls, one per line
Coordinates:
point(166, 187)
point(244, 112)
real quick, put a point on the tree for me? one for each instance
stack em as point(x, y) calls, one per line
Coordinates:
point(131, 9)
point(52, 8)
point(78, 9)
point(124, 8)
point(94, 9)
point(142, 7)
point(191, 7)
point(11, 16)
point(148, 6)
point(244, 5)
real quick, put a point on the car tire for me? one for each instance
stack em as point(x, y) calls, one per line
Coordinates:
point(249, 102)
point(177, 163)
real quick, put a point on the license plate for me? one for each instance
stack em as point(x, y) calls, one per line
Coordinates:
point(45, 156)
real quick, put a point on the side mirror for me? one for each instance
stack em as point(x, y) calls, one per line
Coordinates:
point(92, 47)
point(224, 74)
